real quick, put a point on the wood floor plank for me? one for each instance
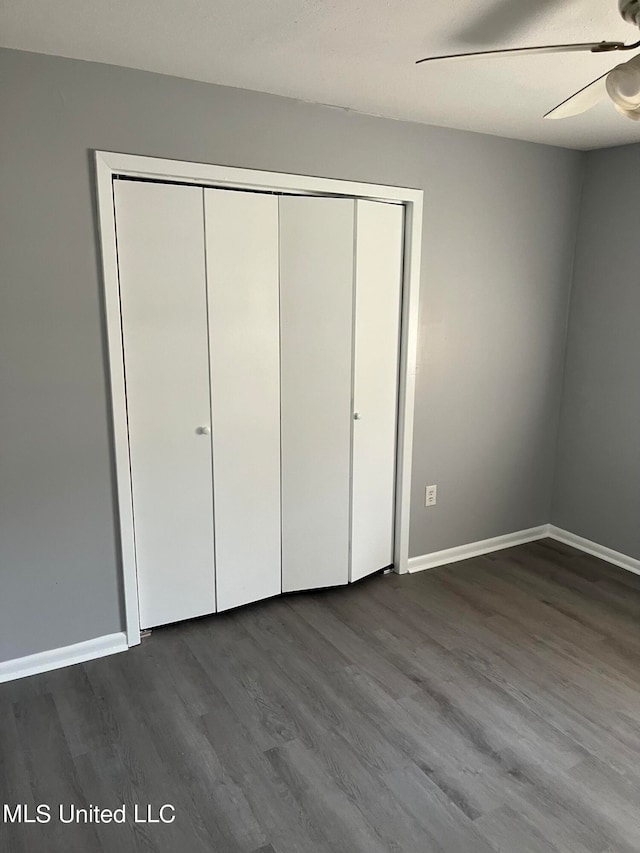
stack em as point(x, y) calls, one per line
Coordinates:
point(140, 771)
point(14, 779)
point(509, 831)
point(444, 828)
point(52, 775)
point(355, 645)
point(323, 690)
point(272, 804)
point(322, 801)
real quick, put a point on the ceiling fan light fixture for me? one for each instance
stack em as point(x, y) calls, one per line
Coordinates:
point(634, 115)
point(623, 86)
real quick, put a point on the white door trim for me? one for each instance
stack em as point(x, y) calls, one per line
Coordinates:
point(108, 166)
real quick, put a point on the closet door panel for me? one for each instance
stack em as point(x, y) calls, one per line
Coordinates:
point(242, 276)
point(164, 321)
point(379, 253)
point(316, 313)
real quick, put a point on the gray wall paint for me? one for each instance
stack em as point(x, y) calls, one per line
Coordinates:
point(498, 244)
point(597, 493)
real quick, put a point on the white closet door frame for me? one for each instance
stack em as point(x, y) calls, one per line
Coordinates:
point(110, 165)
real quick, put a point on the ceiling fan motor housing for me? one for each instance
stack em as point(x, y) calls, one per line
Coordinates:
point(630, 11)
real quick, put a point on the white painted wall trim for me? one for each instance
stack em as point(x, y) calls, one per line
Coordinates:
point(545, 531)
point(476, 549)
point(110, 165)
point(157, 168)
point(604, 553)
point(65, 656)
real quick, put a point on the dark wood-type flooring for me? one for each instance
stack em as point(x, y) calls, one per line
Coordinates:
point(493, 705)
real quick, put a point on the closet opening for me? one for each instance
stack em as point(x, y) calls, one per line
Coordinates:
point(261, 331)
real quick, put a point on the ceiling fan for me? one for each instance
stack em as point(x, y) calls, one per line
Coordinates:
point(621, 84)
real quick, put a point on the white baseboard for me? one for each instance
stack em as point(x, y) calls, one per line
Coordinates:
point(582, 544)
point(66, 656)
point(487, 546)
point(476, 549)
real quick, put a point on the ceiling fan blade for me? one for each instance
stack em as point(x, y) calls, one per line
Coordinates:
point(581, 101)
point(502, 19)
point(585, 47)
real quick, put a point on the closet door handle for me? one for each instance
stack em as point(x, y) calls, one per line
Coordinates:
point(357, 416)
point(203, 430)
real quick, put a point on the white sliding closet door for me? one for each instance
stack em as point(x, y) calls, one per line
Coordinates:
point(316, 315)
point(164, 322)
point(379, 253)
point(242, 276)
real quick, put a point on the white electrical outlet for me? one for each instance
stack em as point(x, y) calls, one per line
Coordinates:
point(430, 496)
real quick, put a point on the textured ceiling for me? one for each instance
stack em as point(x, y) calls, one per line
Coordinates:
point(354, 53)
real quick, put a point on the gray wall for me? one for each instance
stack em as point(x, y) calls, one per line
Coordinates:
point(498, 246)
point(597, 492)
